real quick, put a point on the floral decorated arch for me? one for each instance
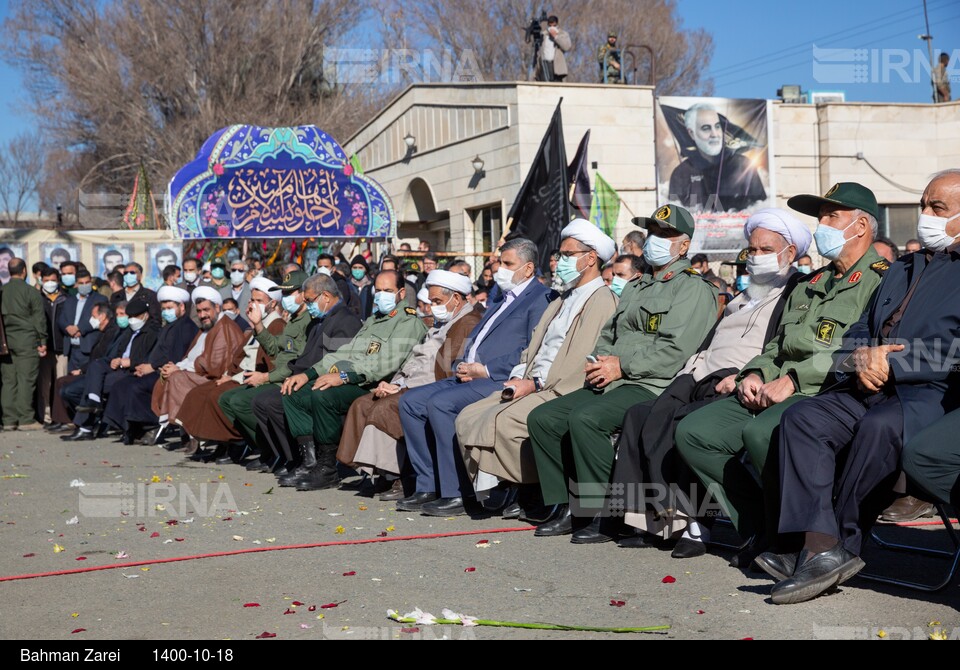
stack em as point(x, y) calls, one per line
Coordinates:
point(252, 182)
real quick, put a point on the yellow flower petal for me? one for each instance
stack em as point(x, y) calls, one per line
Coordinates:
point(57, 549)
point(363, 508)
point(339, 530)
point(155, 479)
point(390, 529)
point(939, 634)
point(881, 634)
point(75, 615)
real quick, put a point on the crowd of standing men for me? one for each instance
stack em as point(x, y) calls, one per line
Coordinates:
point(634, 408)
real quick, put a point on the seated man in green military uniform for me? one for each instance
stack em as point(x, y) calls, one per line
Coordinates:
point(662, 318)
point(794, 365)
point(314, 412)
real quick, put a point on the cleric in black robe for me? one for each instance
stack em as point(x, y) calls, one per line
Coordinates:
point(130, 400)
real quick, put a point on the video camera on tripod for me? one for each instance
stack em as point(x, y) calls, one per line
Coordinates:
point(534, 33)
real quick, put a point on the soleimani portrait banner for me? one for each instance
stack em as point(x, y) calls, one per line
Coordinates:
point(248, 181)
point(714, 157)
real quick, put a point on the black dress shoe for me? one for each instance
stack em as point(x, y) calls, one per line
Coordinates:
point(689, 548)
point(78, 436)
point(394, 493)
point(601, 529)
point(443, 507)
point(778, 566)
point(816, 574)
point(537, 514)
point(127, 438)
point(744, 560)
point(415, 502)
point(638, 540)
point(561, 524)
point(254, 465)
point(512, 511)
point(53, 427)
point(224, 460)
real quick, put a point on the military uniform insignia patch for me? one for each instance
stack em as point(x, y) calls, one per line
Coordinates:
point(334, 369)
point(410, 310)
point(880, 267)
point(832, 190)
point(289, 345)
point(653, 323)
point(855, 277)
point(663, 214)
point(825, 331)
point(742, 256)
point(668, 276)
point(816, 279)
point(392, 314)
point(373, 348)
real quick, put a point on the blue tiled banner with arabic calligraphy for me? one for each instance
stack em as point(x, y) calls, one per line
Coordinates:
point(276, 182)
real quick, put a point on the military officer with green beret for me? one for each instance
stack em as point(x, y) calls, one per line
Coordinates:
point(315, 402)
point(794, 365)
point(25, 328)
point(237, 404)
point(661, 320)
point(608, 56)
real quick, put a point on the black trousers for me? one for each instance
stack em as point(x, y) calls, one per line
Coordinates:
point(839, 461)
point(273, 436)
point(99, 380)
point(649, 471)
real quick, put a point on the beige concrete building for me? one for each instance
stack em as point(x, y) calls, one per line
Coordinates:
point(422, 147)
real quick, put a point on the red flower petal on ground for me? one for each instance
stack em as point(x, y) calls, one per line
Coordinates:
point(227, 518)
point(350, 574)
point(179, 539)
point(332, 605)
point(312, 608)
point(29, 555)
point(265, 635)
point(154, 534)
point(617, 603)
point(668, 580)
point(700, 612)
point(78, 630)
point(172, 522)
point(381, 534)
point(290, 611)
point(81, 558)
point(251, 604)
point(746, 638)
point(409, 630)
point(470, 570)
point(483, 542)
point(296, 603)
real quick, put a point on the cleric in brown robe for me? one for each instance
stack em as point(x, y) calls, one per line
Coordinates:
point(216, 349)
point(200, 414)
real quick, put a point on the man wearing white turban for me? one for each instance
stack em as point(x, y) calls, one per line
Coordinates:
point(647, 459)
point(492, 433)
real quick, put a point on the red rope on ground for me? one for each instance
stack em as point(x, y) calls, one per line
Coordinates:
point(237, 552)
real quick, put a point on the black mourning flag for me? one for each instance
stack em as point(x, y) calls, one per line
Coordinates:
point(579, 180)
point(542, 207)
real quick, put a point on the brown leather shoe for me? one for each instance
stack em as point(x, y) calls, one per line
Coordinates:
point(395, 492)
point(907, 509)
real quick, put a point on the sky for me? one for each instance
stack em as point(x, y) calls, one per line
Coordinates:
point(760, 45)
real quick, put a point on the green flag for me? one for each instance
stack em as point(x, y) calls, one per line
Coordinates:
point(355, 163)
point(605, 208)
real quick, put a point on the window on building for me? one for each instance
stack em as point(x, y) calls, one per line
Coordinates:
point(487, 227)
point(899, 222)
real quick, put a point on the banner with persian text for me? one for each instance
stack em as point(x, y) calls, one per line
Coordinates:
point(256, 182)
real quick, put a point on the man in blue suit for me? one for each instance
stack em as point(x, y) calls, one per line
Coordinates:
point(74, 322)
point(428, 414)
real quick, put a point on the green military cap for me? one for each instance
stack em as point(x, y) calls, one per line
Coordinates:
point(849, 195)
point(609, 35)
point(668, 217)
point(741, 258)
point(218, 262)
point(293, 281)
point(411, 265)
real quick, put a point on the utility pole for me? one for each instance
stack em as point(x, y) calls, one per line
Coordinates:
point(929, 40)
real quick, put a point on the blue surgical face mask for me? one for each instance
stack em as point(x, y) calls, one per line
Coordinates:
point(658, 251)
point(743, 283)
point(804, 269)
point(830, 241)
point(567, 269)
point(385, 302)
point(69, 280)
point(617, 285)
point(358, 273)
point(169, 315)
point(123, 322)
point(130, 279)
point(85, 289)
point(315, 311)
point(217, 273)
point(290, 303)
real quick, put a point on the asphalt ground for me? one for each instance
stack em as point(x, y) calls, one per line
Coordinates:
point(141, 503)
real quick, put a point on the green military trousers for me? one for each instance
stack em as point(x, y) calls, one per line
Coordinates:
point(237, 405)
point(19, 371)
point(318, 415)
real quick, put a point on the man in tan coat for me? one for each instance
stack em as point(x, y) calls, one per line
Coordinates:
point(492, 433)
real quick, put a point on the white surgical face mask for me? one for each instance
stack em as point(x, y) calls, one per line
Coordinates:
point(236, 277)
point(136, 324)
point(440, 312)
point(190, 277)
point(94, 323)
point(658, 251)
point(764, 268)
point(50, 287)
point(505, 279)
point(932, 231)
